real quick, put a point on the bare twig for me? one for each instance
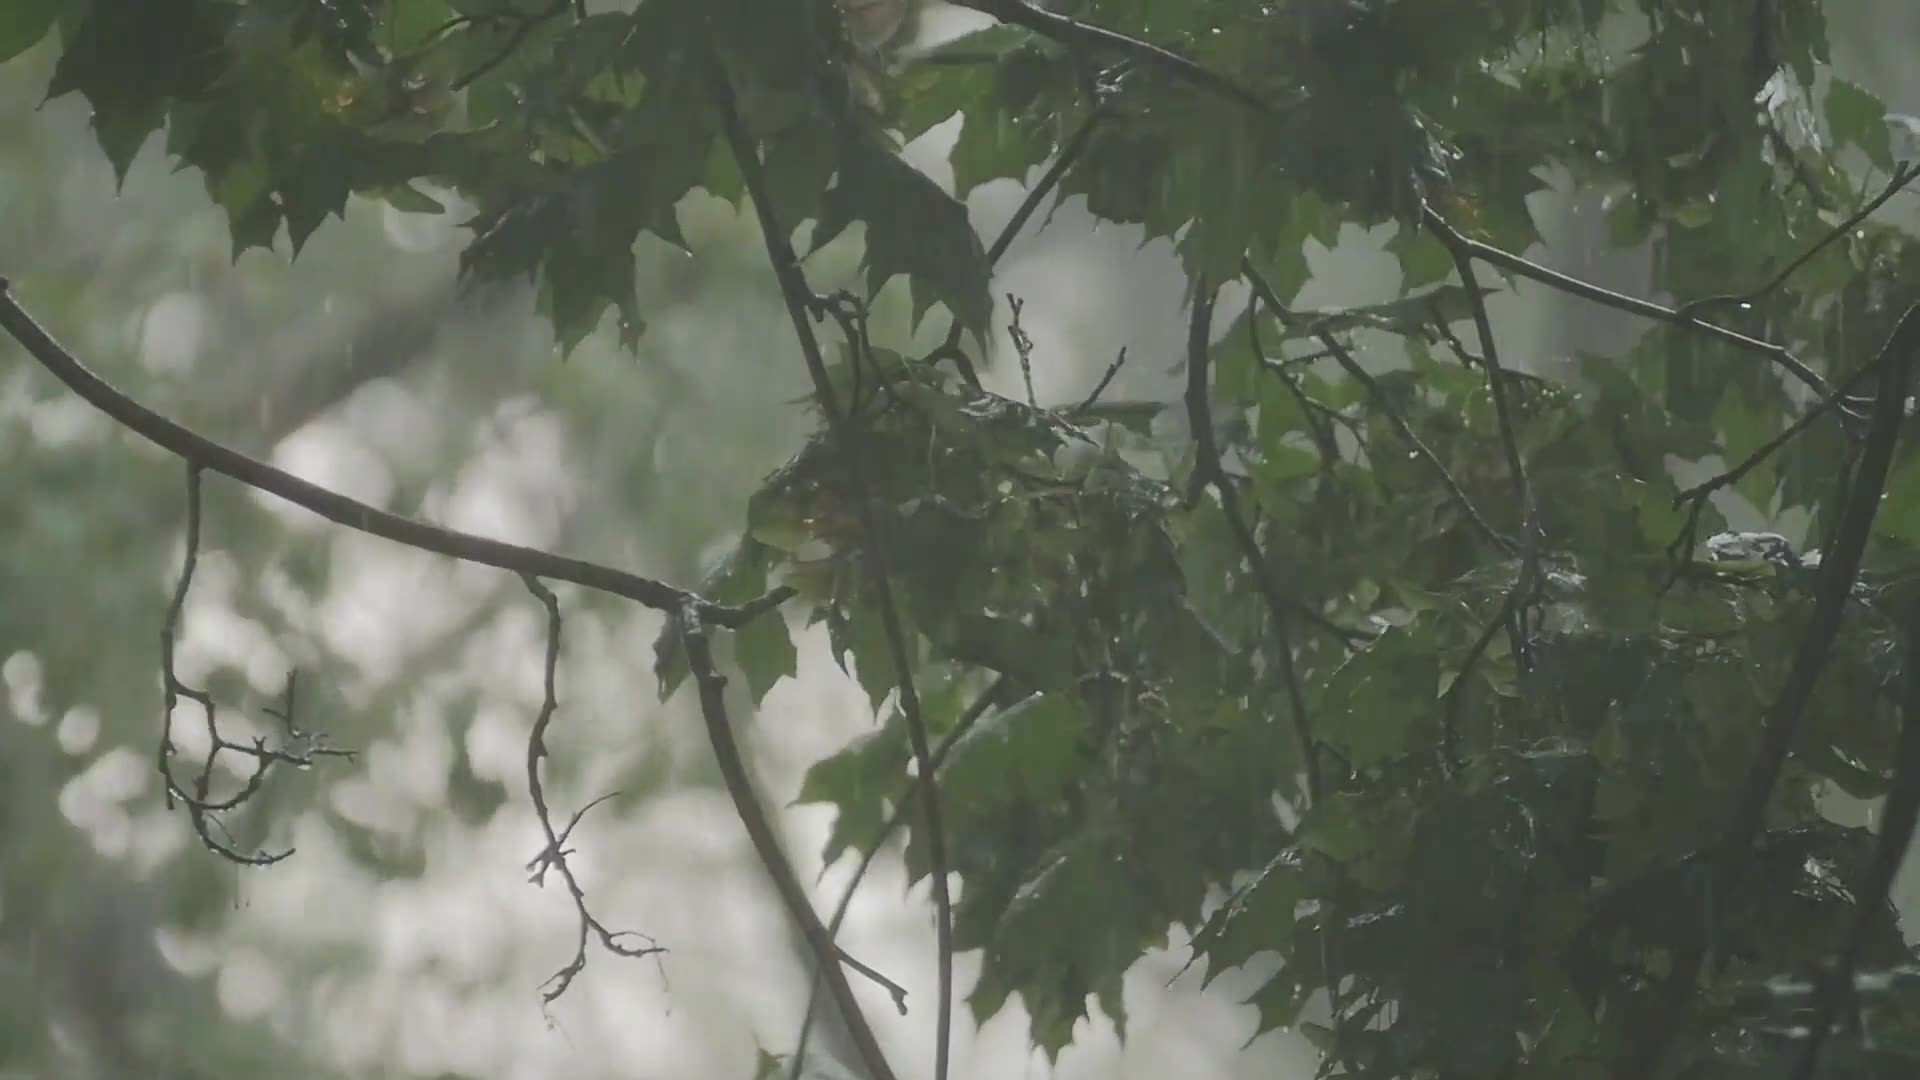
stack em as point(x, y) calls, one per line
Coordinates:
point(793, 287)
point(202, 453)
point(1022, 345)
point(1106, 379)
point(554, 855)
point(299, 749)
point(1209, 473)
point(1076, 145)
point(1695, 498)
point(524, 23)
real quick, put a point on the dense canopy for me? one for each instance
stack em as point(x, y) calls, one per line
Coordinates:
point(1379, 649)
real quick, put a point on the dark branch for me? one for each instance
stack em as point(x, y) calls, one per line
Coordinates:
point(1897, 819)
point(1514, 264)
point(1903, 175)
point(907, 796)
point(794, 289)
point(733, 773)
point(1839, 567)
point(205, 454)
point(1207, 472)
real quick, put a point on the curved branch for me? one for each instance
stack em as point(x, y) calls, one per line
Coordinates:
point(733, 771)
point(1586, 290)
point(201, 452)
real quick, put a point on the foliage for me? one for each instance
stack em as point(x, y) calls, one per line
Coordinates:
point(1420, 681)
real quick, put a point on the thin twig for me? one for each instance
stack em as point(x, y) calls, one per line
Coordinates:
point(1903, 175)
point(203, 453)
point(1586, 290)
point(300, 748)
point(1106, 379)
point(523, 25)
point(793, 287)
point(1318, 417)
point(554, 855)
point(1022, 345)
point(1526, 583)
point(1695, 498)
point(1076, 145)
point(1209, 473)
point(908, 794)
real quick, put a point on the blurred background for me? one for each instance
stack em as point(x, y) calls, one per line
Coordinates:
point(404, 939)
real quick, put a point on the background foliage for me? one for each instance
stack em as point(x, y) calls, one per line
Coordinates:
point(1416, 678)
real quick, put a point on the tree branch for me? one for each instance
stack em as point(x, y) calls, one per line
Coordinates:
point(1897, 820)
point(733, 773)
point(203, 453)
point(1207, 472)
point(799, 299)
point(1586, 290)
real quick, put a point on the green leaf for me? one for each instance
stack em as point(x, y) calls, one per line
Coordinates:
point(131, 57)
point(23, 23)
point(1899, 515)
point(764, 650)
point(861, 781)
point(1050, 948)
point(1855, 116)
point(913, 228)
point(1030, 751)
point(1423, 258)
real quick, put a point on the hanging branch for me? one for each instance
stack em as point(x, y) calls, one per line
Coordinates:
point(204, 454)
point(299, 749)
point(908, 794)
point(1838, 569)
point(733, 773)
point(554, 855)
point(1208, 472)
point(799, 297)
